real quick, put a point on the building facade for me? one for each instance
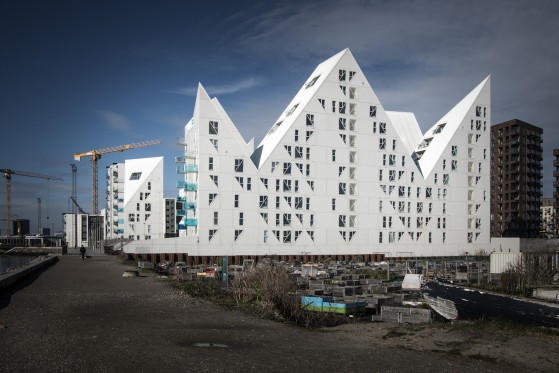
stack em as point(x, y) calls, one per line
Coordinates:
point(516, 165)
point(547, 210)
point(83, 229)
point(335, 175)
point(135, 205)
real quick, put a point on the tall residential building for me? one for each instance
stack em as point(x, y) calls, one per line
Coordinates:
point(335, 175)
point(516, 174)
point(556, 188)
point(135, 204)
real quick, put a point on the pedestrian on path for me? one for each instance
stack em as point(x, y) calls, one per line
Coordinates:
point(82, 252)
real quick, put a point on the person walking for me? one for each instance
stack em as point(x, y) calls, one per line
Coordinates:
point(82, 252)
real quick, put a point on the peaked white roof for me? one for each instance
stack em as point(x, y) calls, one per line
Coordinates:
point(452, 122)
point(301, 99)
point(144, 165)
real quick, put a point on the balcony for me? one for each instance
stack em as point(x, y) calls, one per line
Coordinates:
point(188, 223)
point(186, 168)
point(187, 186)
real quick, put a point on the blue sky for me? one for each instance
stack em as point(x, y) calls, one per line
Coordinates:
point(83, 75)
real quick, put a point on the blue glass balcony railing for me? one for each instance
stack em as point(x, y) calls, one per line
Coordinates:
point(187, 186)
point(186, 168)
point(191, 222)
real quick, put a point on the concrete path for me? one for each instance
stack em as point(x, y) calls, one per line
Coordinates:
point(83, 316)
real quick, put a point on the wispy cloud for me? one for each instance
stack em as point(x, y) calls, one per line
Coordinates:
point(115, 121)
point(224, 89)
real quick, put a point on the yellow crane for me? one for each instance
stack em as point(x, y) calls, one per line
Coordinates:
point(8, 176)
point(96, 155)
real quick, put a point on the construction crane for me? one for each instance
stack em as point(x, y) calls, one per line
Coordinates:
point(76, 203)
point(8, 176)
point(96, 155)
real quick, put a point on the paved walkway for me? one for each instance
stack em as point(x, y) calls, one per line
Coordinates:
point(84, 316)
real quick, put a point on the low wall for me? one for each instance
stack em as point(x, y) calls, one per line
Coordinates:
point(35, 251)
point(9, 278)
point(539, 245)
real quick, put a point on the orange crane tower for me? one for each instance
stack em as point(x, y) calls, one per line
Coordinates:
point(8, 176)
point(96, 155)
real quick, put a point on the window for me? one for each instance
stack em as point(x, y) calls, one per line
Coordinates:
point(470, 237)
point(286, 236)
point(379, 237)
point(298, 152)
point(372, 111)
point(296, 137)
point(333, 204)
point(211, 164)
point(439, 128)
point(374, 127)
point(240, 180)
point(382, 143)
point(213, 128)
point(286, 220)
point(211, 234)
point(308, 170)
point(265, 236)
point(341, 75)
point(278, 183)
point(351, 75)
point(380, 175)
point(341, 107)
point(478, 114)
point(215, 143)
point(392, 175)
point(342, 123)
point(454, 150)
point(215, 179)
point(287, 185)
point(274, 165)
point(131, 217)
point(393, 144)
point(147, 207)
point(401, 206)
point(342, 188)
point(333, 155)
point(310, 120)
point(287, 168)
point(428, 192)
point(298, 203)
point(277, 202)
point(216, 217)
point(278, 220)
point(353, 157)
point(236, 200)
point(419, 207)
point(343, 88)
point(311, 220)
point(322, 102)
point(211, 198)
point(264, 216)
point(312, 81)
point(454, 165)
point(263, 202)
point(238, 233)
point(135, 176)
point(446, 178)
point(265, 182)
point(249, 183)
point(296, 186)
point(403, 160)
point(308, 153)
point(352, 91)
point(307, 203)
point(343, 137)
point(341, 170)
point(241, 218)
point(341, 221)
point(288, 148)
point(352, 173)
point(391, 160)
point(308, 135)
point(382, 128)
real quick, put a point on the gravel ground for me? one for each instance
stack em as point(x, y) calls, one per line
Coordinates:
point(84, 316)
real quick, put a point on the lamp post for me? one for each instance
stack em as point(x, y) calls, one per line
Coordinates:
point(467, 269)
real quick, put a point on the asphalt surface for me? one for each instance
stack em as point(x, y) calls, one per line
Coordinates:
point(84, 316)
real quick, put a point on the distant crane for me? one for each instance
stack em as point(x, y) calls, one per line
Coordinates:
point(76, 203)
point(96, 155)
point(8, 176)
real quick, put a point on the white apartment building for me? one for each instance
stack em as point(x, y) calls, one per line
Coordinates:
point(336, 174)
point(135, 203)
point(82, 229)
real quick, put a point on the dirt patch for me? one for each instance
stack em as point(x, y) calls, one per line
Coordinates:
point(495, 341)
